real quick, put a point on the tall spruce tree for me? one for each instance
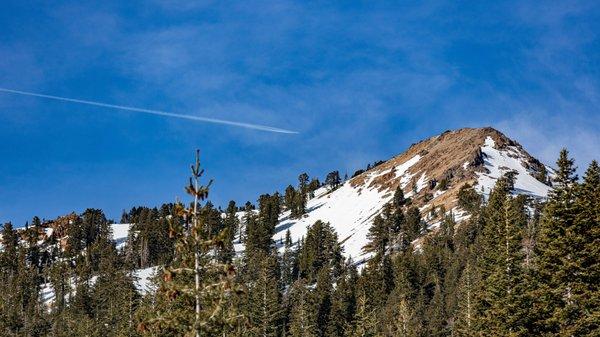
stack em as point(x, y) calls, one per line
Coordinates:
point(264, 296)
point(303, 321)
point(581, 317)
point(501, 301)
point(555, 257)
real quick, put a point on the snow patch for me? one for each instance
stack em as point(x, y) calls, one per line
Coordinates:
point(119, 233)
point(144, 277)
point(498, 162)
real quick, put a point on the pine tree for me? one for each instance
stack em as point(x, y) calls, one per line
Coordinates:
point(333, 180)
point(414, 223)
point(231, 224)
point(114, 294)
point(320, 249)
point(312, 187)
point(343, 303)
point(555, 258)
point(322, 300)
point(287, 261)
point(303, 193)
point(378, 236)
point(264, 297)
point(465, 314)
point(259, 231)
point(582, 317)
point(289, 200)
point(303, 318)
point(365, 321)
point(501, 303)
point(398, 200)
point(196, 292)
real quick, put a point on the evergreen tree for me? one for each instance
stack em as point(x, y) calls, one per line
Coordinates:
point(464, 316)
point(398, 200)
point(414, 223)
point(264, 297)
point(114, 295)
point(343, 303)
point(581, 316)
point(365, 321)
point(501, 301)
point(322, 300)
point(312, 187)
point(289, 200)
point(287, 261)
point(320, 249)
point(555, 257)
point(333, 180)
point(303, 190)
point(196, 292)
point(303, 318)
point(231, 224)
point(378, 236)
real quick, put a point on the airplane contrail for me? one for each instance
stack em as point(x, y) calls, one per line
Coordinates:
point(153, 112)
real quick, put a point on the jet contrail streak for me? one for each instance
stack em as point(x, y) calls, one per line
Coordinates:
point(152, 112)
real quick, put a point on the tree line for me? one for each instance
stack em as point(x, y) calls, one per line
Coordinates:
point(517, 267)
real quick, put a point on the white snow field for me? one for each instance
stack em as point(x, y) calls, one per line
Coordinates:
point(348, 209)
point(499, 162)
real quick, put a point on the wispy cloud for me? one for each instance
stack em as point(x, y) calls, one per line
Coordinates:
point(360, 81)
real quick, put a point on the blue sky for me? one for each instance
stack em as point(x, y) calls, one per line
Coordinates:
point(360, 82)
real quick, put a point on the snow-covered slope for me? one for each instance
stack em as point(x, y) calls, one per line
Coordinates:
point(499, 162)
point(474, 156)
point(349, 209)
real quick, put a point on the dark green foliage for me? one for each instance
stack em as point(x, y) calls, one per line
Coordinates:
point(312, 187)
point(333, 180)
point(151, 245)
point(378, 236)
point(260, 230)
point(302, 321)
point(516, 267)
point(398, 200)
point(264, 309)
point(566, 292)
point(443, 184)
point(231, 226)
point(289, 260)
point(319, 249)
point(469, 199)
point(414, 223)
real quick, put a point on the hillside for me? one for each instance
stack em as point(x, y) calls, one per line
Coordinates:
point(475, 156)
point(430, 172)
point(418, 265)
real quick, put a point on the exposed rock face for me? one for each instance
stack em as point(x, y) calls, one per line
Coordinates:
point(455, 157)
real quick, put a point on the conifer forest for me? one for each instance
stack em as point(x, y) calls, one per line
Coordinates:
point(515, 266)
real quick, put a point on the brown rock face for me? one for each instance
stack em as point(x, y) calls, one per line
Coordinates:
point(446, 163)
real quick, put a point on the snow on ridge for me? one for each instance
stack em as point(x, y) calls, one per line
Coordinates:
point(348, 209)
point(498, 162)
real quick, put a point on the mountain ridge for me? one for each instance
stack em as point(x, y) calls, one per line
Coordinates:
point(431, 173)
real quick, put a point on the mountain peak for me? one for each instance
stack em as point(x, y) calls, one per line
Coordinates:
point(431, 173)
